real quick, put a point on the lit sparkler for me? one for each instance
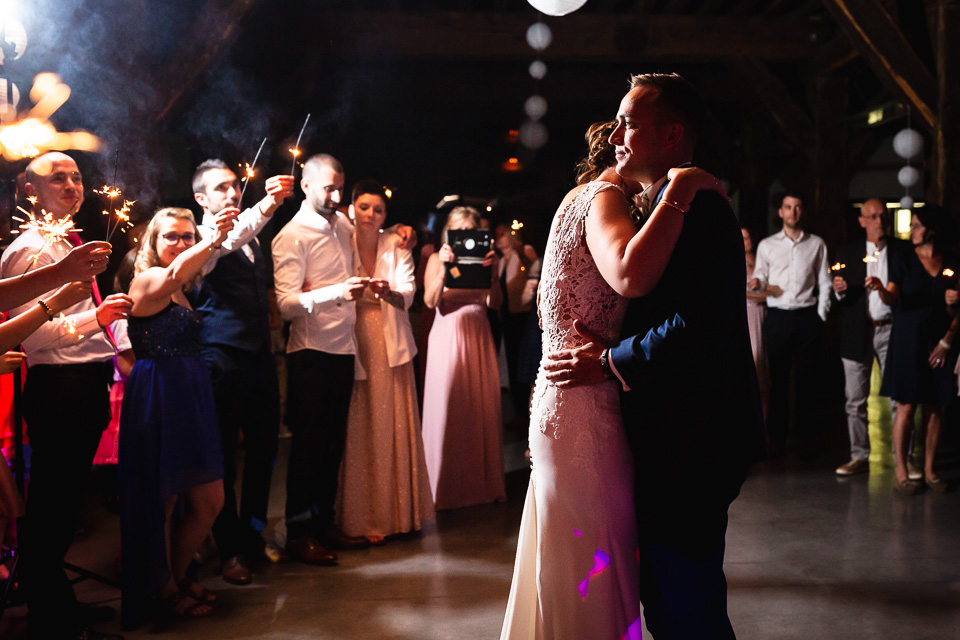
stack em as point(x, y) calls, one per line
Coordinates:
point(54, 231)
point(295, 151)
point(248, 172)
point(116, 218)
point(837, 267)
point(948, 273)
point(70, 326)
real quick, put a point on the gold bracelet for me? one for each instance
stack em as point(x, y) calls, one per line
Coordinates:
point(46, 308)
point(674, 205)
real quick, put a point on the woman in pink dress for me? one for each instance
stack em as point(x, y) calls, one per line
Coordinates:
point(756, 314)
point(462, 421)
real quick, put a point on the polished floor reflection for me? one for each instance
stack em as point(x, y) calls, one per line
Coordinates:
point(809, 556)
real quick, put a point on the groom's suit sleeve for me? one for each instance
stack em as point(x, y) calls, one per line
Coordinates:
point(703, 283)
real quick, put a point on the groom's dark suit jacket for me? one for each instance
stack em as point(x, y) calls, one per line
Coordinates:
point(693, 414)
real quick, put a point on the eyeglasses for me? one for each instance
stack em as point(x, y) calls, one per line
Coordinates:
point(172, 239)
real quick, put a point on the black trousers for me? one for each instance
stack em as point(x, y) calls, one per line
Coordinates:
point(793, 338)
point(514, 326)
point(246, 392)
point(318, 401)
point(66, 409)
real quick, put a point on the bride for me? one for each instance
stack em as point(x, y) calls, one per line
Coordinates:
point(576, 572)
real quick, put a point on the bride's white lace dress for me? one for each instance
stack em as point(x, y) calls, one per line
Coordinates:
point(576, 570)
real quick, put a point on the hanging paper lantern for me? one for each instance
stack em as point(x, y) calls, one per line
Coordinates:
point(15, 34)
point(539, 36)
point(908, 143)
point(906, 202)
point(533, 135)
point(908, 177)
point(11, 100)
point(557, 7)
point(538, 69)
point(535, 107)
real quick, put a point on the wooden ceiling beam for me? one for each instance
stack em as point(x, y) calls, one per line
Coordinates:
point(881, 43)
point(591, 37)
point(210, 35)
point(796, 125)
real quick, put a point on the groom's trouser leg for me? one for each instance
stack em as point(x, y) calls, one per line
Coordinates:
point(778, 331)
point(682, 585)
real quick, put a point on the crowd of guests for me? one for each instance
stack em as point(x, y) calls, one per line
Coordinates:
point(187, 343)
point(900, 306)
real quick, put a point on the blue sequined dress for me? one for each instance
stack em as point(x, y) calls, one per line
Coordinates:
point(169, 442)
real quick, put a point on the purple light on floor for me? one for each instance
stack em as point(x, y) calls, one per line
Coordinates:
point(600, 562)
point(578, 533)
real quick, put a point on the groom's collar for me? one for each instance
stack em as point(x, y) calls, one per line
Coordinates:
point(650, 196)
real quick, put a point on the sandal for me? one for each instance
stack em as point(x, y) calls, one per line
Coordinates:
point(174, 604)
point(907, 488)
point(937, 484)
point(196, 591)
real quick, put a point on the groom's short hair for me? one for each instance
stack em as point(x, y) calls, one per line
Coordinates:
point(677, 97)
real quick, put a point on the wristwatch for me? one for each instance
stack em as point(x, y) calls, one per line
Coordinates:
point(605, 364)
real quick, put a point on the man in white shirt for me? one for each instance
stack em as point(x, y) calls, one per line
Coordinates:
point(796, 262)
point(862, 268)
point(233, 301)
point(313, 275)
point(66, 406)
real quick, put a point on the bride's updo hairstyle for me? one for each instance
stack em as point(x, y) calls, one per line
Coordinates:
point(147, 254)
point(459, 214)
point(600, 153)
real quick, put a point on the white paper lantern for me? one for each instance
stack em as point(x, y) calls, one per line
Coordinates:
point(9, 102)
point(908, 177)
point(538, 69)
point(533, 135)
point(557, 7)
point(539, 36)
point(535, 107)
point(906, 202)
point(908, 143)
point(16, 34)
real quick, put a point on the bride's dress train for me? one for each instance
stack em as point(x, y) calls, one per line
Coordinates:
point(576, 573)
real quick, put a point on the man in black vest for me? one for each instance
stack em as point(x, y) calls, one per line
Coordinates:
point(236, 343)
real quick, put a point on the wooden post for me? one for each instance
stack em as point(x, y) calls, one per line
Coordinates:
point(830, 171)
point(945, 155)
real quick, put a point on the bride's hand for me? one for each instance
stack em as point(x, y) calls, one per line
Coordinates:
point(687, 181)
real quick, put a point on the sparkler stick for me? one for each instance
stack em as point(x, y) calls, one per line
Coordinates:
point(296, 148)
point(249, 172)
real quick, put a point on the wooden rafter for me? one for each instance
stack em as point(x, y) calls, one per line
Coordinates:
point(793, 121)
point(874, 33)
point(211, 33)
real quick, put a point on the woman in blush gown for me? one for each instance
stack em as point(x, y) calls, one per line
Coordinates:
point(383, 487)
point(171, 464)
point(462, 420)
point(576, 574)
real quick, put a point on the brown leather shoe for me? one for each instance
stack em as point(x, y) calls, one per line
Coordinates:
point(236, 571)
point(309, 551)
point(335, 538)
point(937, 484)
point(907, 488)
point(853, 467)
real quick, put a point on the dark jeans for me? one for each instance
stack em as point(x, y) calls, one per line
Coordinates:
point(792, 338)
point(66, 409)
point(248, 401)
point(318, 401)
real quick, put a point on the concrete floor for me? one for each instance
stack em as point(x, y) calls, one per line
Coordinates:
point(809, 556)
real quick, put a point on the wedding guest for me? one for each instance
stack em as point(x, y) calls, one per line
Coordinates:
point(171, 462)
point(796, 262)
point(514, 270)
point(867, 322)
point(462, 432)
point(384, 489)
point(77, 371)
point(921, 354)
point(756, 315)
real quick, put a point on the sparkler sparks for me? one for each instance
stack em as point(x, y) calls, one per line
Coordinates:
point(838, 266)
point(249, 172)
point(116, 218)
point(54, 231)
point(948, 273)
point(295, 151)
point(70, 326)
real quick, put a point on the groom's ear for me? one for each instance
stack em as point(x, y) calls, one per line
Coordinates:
point(673, 135)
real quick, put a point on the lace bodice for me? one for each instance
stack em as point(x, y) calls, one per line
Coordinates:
point(571, 286)
point(175, 331)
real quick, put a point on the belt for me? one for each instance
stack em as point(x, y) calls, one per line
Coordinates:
point(881, 323)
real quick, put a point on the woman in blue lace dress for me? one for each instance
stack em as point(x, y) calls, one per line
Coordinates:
point(171, 464)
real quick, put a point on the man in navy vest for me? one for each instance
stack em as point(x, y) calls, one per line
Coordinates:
point(236, 344)
point(691, 402)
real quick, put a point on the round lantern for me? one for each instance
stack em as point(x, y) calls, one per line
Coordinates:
point(906, 202)
point(908, 143)
point(535, 107)
point(539, 36)
point(533, 135)
point(557, 7)
point(908, 177)
point(538, 69)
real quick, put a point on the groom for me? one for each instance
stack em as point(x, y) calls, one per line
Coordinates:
point(690, 400)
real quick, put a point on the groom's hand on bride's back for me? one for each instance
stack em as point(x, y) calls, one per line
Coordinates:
point(579, 366)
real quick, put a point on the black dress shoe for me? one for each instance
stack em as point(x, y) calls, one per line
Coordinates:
point(88, 615)
point(335, 538)
point(309, 551)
